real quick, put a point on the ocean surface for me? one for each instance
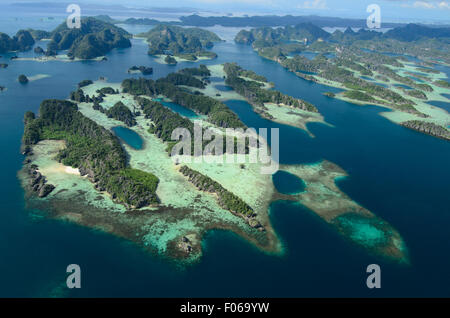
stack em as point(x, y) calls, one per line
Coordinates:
point(400, 175)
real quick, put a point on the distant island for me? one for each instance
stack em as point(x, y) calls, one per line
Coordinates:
point(250, 21)
point(357, 62)
point(184, 43)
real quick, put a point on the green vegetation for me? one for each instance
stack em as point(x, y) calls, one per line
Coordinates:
point(121, 112)
point(357, 95)
point(266, 36)
point(95, 38)
point(143, 69)
point(107, 90)
point(84, 83)
point(188, 43)
point(257, 95)
point(416, 93)
point(226, 199)
point(95, 151)
point(22, 41)
point(202, 71)
point(217, 112)
point(442, 83)
point(170, 60)
point(347, 57)
point(164, 120)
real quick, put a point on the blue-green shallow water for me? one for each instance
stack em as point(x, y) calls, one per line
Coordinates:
point(128, 136)
point(400, 175)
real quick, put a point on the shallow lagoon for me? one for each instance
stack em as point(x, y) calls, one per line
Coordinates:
point(130, 137)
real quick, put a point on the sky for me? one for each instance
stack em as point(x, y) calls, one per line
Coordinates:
point(437, 11)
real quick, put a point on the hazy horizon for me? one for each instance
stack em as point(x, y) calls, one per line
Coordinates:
point(425, 11)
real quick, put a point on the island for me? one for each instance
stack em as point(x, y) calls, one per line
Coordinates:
point(144, 70)
point(22, 41)
point(189, 44)
point(94, 39)
point(23, 79)
point(75, 165)
point(369, 66)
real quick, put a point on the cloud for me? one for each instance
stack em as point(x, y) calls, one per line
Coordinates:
point(444, 5)
point(313, 4)
point(428, 4)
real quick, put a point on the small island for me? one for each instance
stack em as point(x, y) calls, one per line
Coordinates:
point(23, 79)
point(170, 60)
point(144, 70)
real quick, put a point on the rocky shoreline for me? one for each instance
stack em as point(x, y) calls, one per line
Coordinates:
point(37, 182)
point(427, 128)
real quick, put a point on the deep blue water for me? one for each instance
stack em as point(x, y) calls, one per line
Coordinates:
point(440, 104)
point(400, 175)
point(128, 136)
point(288, 183)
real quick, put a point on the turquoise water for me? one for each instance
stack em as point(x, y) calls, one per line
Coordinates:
point(287, 183)
point(128, 136)
point(400, 175)
point(183, 111)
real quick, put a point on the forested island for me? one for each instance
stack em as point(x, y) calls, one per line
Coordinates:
point(144, 70)
point(218, 113)
point(95, 151)
point(253, 91)
point(185, 43)
point(95, 38)
point(356, 62)
point(22, 41)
